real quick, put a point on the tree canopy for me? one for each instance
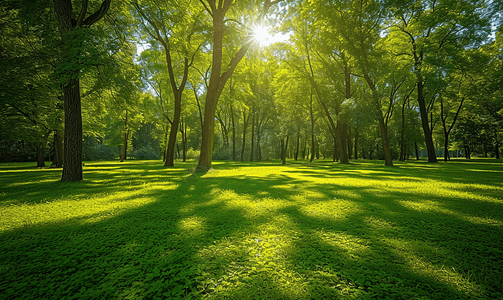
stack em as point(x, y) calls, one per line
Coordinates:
point(197, 79)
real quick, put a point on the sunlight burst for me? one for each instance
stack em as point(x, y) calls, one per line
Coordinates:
point(261, 35)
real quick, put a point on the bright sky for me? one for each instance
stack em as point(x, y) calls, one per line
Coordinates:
point(262, 34)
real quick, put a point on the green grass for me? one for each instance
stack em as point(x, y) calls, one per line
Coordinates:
point(253, 231)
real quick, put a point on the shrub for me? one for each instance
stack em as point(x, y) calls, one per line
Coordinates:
point(145, 153)
point(99, 152)
point(193, 154)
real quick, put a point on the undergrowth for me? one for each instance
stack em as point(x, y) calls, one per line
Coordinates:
point(136, 230)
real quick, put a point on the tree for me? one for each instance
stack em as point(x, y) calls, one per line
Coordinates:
point(167, 29)
point(434, 29)
point(74, 32)
point(219, 76)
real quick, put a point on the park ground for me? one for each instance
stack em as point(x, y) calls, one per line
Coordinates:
point(137, 230)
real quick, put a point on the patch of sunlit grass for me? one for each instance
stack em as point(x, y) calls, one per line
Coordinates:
point(258, 231)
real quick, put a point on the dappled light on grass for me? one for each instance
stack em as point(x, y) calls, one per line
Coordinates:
point(255, 231)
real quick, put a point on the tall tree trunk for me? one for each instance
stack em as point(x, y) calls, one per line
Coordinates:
point(245, 125)
point(297, 147)
point(233, 135)
point(356, 143)
point(284, 147)
point(402, 132)
point(311, 114)
point(259, 147)
point(126, 138)
point(304, 149)
point(252, 135)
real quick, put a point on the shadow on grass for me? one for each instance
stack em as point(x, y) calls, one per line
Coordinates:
point(306, 232)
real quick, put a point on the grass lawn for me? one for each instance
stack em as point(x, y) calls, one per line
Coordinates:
point(137, 230)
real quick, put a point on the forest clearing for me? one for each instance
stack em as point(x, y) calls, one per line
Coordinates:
point(136, 230)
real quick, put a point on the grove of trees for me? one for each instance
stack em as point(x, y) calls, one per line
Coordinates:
point(152, 79)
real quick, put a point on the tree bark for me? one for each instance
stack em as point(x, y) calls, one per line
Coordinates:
point(72, 165)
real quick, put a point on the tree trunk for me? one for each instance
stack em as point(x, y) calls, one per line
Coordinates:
point(233, 135)
point(430, 148)
point(335, 158)
point(259, 148)
point(284, 147)
point(311, 114)
point(72, 165)
point(183, 131)
point(304, 149)
point(297, 147)
point(41, 150)
point(356, 144)
point(126, 137)
point(58, 150)
point(170, 150)
point(388, 160)
point(252, 136)
point(497, 145)
point(417, 150)
point(350, 142)
point(245, 125)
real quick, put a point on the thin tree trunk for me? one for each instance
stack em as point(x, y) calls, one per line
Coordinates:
point(245, 125)
point(126, 137)
point(183, 131)
point(417, 150)
point(497, 144)
point(335, 158)
point(284, 147)
point(252, 136)
point(233, 135)
point(297, 147)
point(350, 142)
point(356, 143)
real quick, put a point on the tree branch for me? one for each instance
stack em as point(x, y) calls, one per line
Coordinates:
point(105, 5)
